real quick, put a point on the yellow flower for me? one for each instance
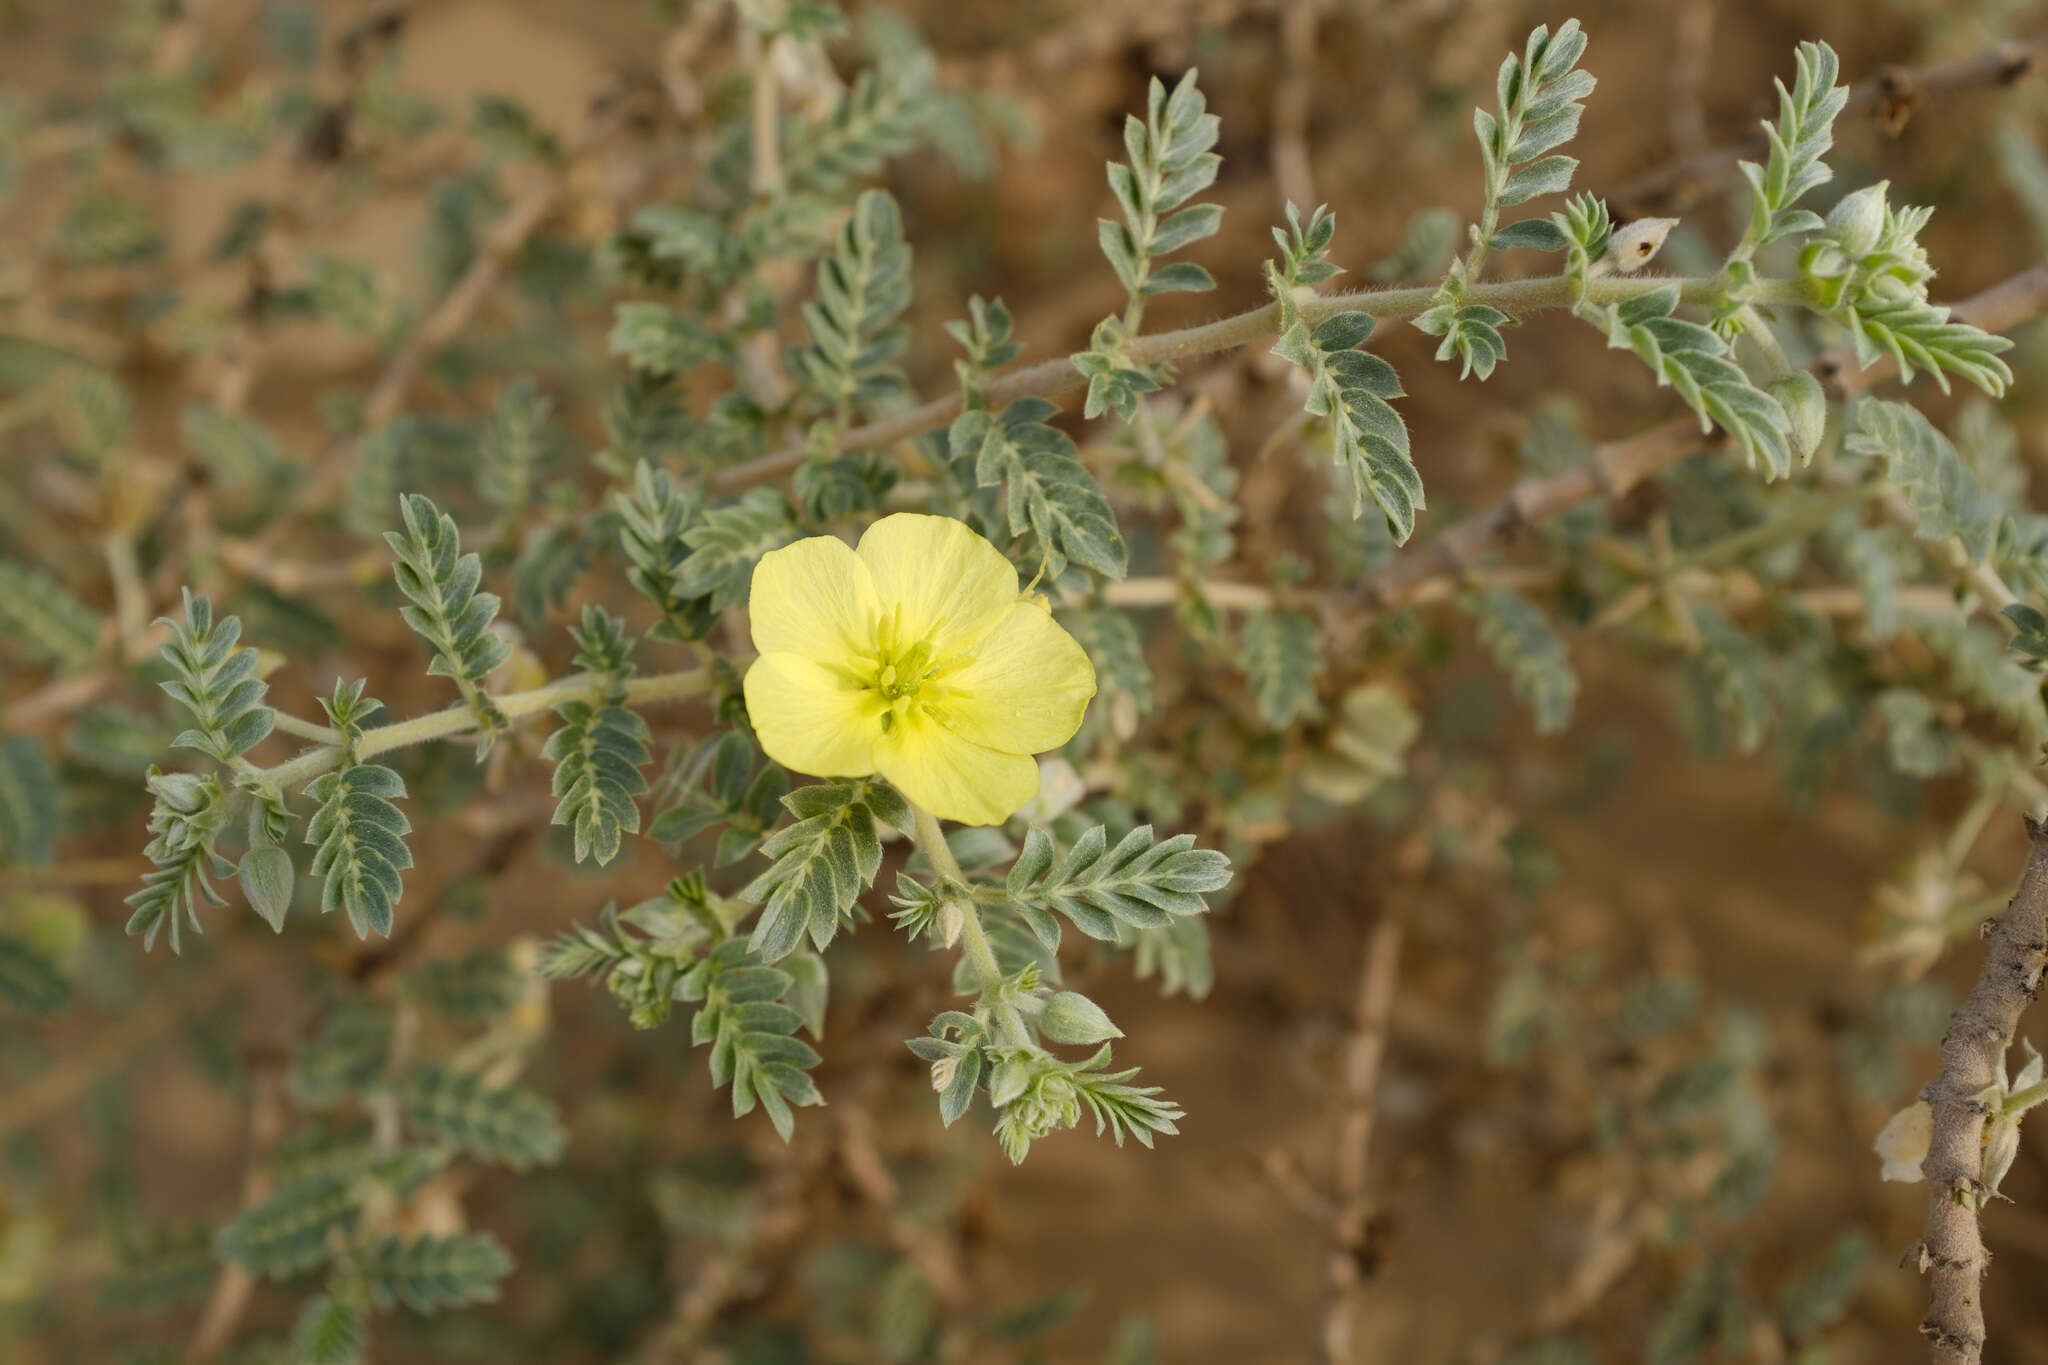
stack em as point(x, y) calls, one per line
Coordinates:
point(914, 657)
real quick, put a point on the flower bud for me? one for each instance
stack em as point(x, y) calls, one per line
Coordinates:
point(1071, 1017)
point(1632, 246)
point(2001, 1145)
point(946, 926)
point(1800, 394)
point(1857, 220)
point(267, 879)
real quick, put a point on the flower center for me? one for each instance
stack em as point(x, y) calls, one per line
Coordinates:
point(900, 671)
point(901, 677)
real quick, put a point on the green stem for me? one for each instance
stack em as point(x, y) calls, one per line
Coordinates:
point(304, 729)
point(974, 944)
point(973, 939)
point(1261, 324)
point(590, 687)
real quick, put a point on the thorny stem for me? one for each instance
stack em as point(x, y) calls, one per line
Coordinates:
point(461, 720)
point(1058, 375)
point(1952, 1255)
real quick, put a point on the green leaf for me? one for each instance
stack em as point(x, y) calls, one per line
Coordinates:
point(159, 1266)
point(852, 318)
point(430, 1273)
point(1141, 882)
point(216, 682)
point(519, 445)
point(1536, 234)
point(878, 117)
point(1818, 1296)
point(30, 799)
point(1945, 496)
point(503, 1125)
point(267, 876)
point(361, 841)
point(657, 340)
point(1535, 659)
point(1170, 162)
point(1283, 655)
point(293, 1230)
point(472, 989)
point(1471, 333)
point(652, 519)
point(330, 1331)
point(727, 781)
point(1693, 360)
point(30, 980)
point(184, 822)
point(750, 1031)
point(727, 543)
point(245, 462)
point(1551, 175)
point(1734, 667)
point(821, 863)
point(1049, 497)
point(598, 754)
point(1802, 135)
point(447, 610)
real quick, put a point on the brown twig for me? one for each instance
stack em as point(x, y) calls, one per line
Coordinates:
point(861, 1154)
point(1890, 97)
point(1293, 97)
point(1377, 983)
point(1972, 1059)
point(450, 317)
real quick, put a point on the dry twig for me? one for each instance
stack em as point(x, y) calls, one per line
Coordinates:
point(1377, 984)
point(1972, 1059)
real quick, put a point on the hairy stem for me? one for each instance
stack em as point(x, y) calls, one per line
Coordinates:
point(973, 940)
point(590, 687)
point(974, 944)
point(1258, 324)
point(1972, 1058)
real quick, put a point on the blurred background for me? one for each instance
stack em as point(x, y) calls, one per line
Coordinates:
point(1605, 931)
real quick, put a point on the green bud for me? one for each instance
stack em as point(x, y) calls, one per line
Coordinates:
point(1073, 1018)
point(1800, 394)
point(1009, 1080)
point(267, 879)
point(1857, 220)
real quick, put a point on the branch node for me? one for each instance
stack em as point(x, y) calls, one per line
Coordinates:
point(1898, 96)
point(1959, 1342)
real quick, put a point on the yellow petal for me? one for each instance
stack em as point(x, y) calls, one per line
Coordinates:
point(954, 778)
point(946, 582)
point(1024, 689)
point(814, 598)
point(810, 719)
point(1903, 1144)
